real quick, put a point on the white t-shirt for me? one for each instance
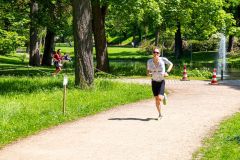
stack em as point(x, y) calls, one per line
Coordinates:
point(159, 69)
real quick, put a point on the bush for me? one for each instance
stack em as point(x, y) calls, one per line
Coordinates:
point(10, 41)
point(208, 45)
point(204, 72)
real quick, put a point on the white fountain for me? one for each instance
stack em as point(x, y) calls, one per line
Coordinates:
point(221, 59)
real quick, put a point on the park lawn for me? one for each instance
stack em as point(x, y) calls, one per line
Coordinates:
point(115, 53)
point(224, 144)
point(12, 59)
point(29, 105)
point(127, 53)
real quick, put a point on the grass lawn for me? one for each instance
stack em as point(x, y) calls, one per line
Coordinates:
point(115, 53)
point(224, 144)
point(29, 105)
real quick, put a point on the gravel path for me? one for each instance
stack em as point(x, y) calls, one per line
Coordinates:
point(130, 132)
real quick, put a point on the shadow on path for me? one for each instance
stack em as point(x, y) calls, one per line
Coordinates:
point(133, 119)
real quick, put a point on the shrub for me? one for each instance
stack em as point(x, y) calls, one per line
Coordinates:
point(10, 41)
point(207, 45)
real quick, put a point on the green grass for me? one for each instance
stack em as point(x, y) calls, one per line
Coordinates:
point(115, 53)
point(12, 59)
point(126, 53)
point(224, 144)
point(29, 105)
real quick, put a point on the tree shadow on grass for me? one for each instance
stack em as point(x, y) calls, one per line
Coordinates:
point(12, 60)
point(27, 85)
point(133, 119)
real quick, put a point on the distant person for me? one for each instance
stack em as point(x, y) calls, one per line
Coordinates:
point(156, 69)
point(66, 58)
point(57, 62)
point(133, 45)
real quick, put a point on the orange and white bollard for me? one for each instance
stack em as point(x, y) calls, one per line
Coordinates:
point(214, 77)
point(185, 74)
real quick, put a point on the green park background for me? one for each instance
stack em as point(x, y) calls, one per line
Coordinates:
point(123, 33)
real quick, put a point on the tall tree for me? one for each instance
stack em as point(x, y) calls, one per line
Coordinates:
point(34, 57)
point(82, 28)
point(178, 41)
point(177, 14)
point(99, 13)
point(48, 48)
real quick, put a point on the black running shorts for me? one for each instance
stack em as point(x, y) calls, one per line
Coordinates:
point(158, 87)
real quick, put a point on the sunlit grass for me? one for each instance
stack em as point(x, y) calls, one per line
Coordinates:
point(225, 142)
point(28, 105)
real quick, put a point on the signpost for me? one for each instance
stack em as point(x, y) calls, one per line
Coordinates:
point(65, 82)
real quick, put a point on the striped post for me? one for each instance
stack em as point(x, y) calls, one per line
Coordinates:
point(184, 74)
point(214, 77)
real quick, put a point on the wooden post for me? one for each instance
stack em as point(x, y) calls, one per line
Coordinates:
point(65, 81)
point(64, 98)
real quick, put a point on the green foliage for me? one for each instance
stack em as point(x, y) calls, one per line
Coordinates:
point(10, 41)
point(147, 47)
point(192, 72)
point(203, 72)
point(207, 45)
point(136, 16)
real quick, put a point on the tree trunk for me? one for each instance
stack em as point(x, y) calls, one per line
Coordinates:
point(63, 39)
point(48, 48)
point(230, 43)
point(99, 13)
point(140, 34)
point(124, 35)
point(33, 34)
point(238, 16)
point(178, 42)
point(82, 29)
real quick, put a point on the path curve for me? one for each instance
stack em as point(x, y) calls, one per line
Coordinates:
point(130, 132)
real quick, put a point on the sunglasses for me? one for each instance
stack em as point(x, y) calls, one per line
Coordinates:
point(156, 52)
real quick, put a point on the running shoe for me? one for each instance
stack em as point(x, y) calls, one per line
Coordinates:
point(159, 116)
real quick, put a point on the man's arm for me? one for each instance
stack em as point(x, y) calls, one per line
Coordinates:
point(168, 70)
